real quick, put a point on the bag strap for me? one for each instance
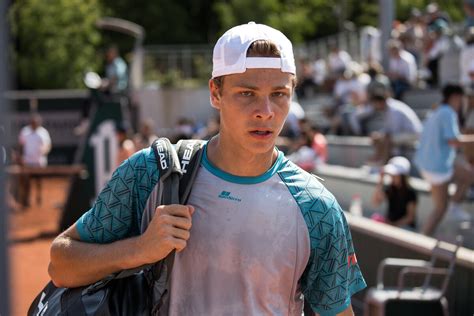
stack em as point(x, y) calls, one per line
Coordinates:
point(190, 152)
point(169, 173)
point(177, 184)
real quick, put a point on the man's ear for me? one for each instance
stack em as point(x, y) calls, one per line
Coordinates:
point(215, 95)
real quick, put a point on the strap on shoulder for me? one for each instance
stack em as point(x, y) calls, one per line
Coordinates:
point(190, 153)
point(166, 157)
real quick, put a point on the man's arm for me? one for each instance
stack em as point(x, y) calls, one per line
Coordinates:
point(75, 263)
point(379, 195)
point(462, 139)
point(347, 312)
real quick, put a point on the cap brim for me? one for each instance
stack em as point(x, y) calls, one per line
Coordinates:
point(391, 170)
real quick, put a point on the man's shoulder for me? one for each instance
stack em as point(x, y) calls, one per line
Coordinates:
point(25, 129)
point(399, 106)
point(142, 161)
point(446, 110)
point(407, 56)
point(307, 188)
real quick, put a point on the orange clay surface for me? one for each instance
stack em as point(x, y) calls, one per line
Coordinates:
point(31, 231)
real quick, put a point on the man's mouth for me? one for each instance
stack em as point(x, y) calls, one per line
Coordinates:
point(261, 132)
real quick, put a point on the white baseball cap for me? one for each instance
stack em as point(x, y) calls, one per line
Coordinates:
point(230, 52)
point(397, 166)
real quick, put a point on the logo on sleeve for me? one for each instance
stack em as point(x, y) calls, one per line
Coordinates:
point(226, 195)
point(351, 260)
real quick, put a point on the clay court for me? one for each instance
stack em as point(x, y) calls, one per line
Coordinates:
point(30, 233)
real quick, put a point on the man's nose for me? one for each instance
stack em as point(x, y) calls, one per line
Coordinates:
point(265, 109)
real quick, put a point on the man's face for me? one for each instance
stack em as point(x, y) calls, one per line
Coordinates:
point(378, 104)
point(456, 101)
point(110, 55)
point(253, 107)
point(394, 52)
point(471, 76)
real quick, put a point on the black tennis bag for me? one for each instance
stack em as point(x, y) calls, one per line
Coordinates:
point(139, 291)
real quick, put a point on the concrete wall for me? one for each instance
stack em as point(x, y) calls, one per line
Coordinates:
point(375, 241)
point(166, 105)
point(345, 182)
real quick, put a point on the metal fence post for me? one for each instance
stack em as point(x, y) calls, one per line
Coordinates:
point(4, 74)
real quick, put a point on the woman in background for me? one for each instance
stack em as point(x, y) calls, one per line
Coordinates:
point(400, 196)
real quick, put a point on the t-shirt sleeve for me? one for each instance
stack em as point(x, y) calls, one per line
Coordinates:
point(117, 212)
point(333, 274)
point(449, 125)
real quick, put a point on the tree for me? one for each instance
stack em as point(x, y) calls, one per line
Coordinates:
point(298, 19)
point(55, 42)
point(167, 22)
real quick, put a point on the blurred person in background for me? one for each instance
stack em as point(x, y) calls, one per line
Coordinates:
point(291, 131)
point(306, 85)
point(401, 198)
point(319, 71)
point(311, 147)
point(466, 61)
point(145, 137)
point(402, 70)
point(304, 155)
point(352, 79)
point(350, 118)
point(114, 83)
point(116, 72)
point(434, 14)
point(399, 127)
point(184, 129)
point(414, 34)
point(210, 130)
point(469, 10)
point(437, 45)
point(436, 158)
point(126, 147)
point(337, 62)
point(35, 144)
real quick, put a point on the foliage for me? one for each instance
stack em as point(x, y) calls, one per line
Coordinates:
point(453, 7)
point(167, 22)
point(299, 20)
point(55, 41)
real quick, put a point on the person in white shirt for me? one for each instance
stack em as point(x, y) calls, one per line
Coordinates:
point(35, 144)
point(438, 46)
point(338, 60)
point(466, 58)
point(402, 69)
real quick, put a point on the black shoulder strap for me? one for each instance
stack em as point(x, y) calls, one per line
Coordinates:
point(168, 163)
point(170, 174)
point(190, 153)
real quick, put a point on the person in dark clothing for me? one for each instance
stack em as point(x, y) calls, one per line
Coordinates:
point(400, 196)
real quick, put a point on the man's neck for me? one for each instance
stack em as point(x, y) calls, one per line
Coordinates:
point(237, 161)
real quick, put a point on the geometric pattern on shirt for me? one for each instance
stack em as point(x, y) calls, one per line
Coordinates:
point(329, 280)
point(117, 212)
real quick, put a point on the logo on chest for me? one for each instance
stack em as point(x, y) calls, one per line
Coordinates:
point(227, 195)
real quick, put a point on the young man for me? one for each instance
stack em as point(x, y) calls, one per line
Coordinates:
point(436, 158)
point(263, 231)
